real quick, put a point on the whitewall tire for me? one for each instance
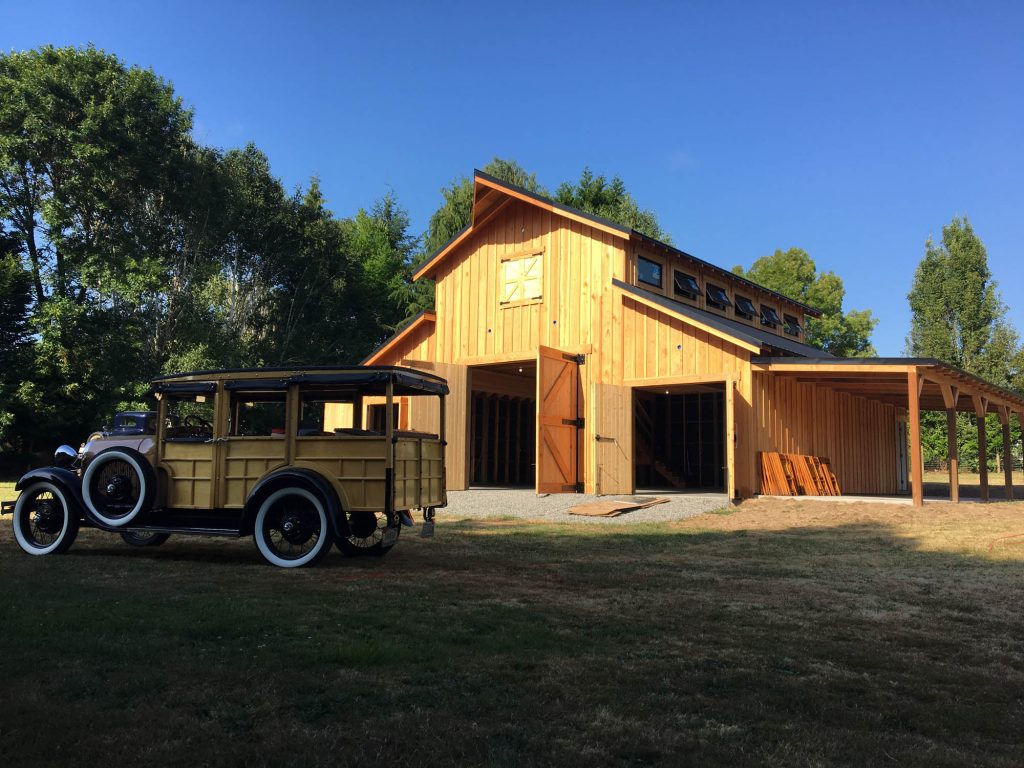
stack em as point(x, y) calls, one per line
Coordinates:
point(44, 523)
point(117, 486)
point(291, 528)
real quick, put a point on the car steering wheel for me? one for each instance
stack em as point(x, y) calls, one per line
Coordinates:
point(196, 421)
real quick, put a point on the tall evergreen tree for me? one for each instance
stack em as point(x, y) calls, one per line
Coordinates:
point(956, 313)
point(611, 200)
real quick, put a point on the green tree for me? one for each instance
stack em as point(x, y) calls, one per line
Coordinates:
point(86, 148)
point(956, 313)
point(958, 317)
point(15, 301)
point(610, 200)
point(385, 252)
point(793, 273)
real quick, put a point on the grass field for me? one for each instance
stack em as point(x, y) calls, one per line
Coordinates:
point(780, 634)
point(971, 478)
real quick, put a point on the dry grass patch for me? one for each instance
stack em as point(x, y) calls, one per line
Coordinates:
point(786, 633)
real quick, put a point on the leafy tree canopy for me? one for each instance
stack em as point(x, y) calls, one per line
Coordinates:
point(793, 273)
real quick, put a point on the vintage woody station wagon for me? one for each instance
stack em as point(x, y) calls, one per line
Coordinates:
point(297, 458)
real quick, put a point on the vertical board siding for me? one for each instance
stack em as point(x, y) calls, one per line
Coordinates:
point(856, 434)
point(656, 346)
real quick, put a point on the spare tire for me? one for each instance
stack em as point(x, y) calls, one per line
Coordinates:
point(118, 485)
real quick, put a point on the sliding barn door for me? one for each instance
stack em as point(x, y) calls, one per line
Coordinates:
point(558, 421)
point(612, 427)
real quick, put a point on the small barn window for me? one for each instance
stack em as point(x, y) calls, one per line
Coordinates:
point(522, 279)
point(769, 316)
point(717, 297)
point(648, 272)
point(745, 308)
point(686, 285)
point(792, 325)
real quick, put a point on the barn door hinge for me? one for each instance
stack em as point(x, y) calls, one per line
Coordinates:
point(578, 423)
point(578, 487)
point(581, 359)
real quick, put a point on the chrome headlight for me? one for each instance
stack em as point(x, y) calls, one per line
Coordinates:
point(64, 457)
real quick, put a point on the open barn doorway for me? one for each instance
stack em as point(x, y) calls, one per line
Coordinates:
point(503, 424)
point(679, 438)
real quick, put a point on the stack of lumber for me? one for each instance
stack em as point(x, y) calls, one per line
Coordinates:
point(793, 474)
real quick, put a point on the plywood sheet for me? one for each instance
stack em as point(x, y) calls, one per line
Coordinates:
point(615, 507)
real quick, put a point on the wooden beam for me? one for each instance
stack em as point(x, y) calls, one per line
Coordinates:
point(831, 368)
point(950, 395)
point(980, 409)
point(667, 381)
point(914, 424)
point(954, 462)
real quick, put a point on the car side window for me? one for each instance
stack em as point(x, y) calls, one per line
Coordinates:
point(327, 415)
point(257, 414)
point(189, 417)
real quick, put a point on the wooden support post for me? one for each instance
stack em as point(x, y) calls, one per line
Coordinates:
point(950, 395)
point(1004, 418)
point(954, 469)
point(914, 425)
point(980, 409)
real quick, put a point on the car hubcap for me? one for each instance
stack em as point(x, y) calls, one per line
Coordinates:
point(44, 519)
point(292, 528)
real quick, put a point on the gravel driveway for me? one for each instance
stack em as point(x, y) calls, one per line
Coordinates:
point(480, 504)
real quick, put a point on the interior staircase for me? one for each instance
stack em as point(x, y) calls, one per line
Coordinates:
point(644, 426)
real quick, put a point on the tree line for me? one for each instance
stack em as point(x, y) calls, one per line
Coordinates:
point(129, 249)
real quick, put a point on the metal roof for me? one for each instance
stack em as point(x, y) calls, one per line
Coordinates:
point(368, 378)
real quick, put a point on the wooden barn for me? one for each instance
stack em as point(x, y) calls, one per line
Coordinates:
point(583, 356)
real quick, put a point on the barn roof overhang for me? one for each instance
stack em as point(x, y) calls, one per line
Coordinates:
point(418, 321)
point(941, 387)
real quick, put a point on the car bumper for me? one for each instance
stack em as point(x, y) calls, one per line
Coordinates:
point(7, 507)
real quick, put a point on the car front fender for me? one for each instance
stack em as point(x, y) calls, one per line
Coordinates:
point(64, 478)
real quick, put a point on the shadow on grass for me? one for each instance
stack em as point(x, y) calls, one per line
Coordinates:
point(499, 644)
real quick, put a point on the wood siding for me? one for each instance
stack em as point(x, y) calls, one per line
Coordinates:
point(655, 346)
point(857, 435)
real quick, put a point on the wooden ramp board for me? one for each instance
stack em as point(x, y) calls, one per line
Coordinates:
point(616, 507)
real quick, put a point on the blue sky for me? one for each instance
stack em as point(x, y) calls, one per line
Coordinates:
point(852, 130)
